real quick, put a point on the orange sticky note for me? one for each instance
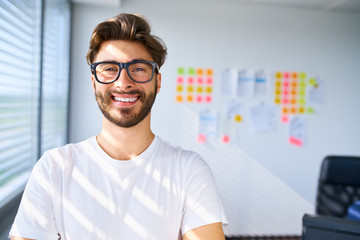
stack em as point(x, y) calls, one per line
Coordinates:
point(209, 72)
point(190, 98)
point(200, 71)
point(179, 98)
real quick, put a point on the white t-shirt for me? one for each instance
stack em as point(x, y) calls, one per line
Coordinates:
point(79, 192)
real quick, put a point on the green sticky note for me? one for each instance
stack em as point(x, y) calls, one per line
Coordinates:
point(312, 81)
point(302, 75)
point(311, 110)
point(191, 71)
point(181, 71)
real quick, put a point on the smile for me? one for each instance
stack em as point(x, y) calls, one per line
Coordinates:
point(122, 99)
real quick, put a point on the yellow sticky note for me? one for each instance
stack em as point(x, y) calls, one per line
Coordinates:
point(190, 89)
point(238, 118)
point(209, 89)
point(199, 89)
point(179, 88)
point(278, 75)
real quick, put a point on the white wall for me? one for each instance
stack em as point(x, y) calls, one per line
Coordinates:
point(266, 184)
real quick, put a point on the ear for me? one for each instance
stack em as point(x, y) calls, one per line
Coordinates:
point(93, 82)
point(158, 79)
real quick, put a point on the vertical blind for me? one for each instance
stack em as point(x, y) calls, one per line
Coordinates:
point(34, 58)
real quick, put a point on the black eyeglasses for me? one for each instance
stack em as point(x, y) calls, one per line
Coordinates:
point(139, 71)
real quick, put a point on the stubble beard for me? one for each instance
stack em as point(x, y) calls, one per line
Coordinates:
point(125, 117)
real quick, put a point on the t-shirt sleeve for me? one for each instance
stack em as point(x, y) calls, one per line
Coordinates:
point(35, 216)
point(202, 205)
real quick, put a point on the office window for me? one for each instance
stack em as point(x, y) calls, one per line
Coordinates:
point(34, 73)
point(55, 75)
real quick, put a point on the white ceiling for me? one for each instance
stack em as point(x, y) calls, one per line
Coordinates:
point(344, 5)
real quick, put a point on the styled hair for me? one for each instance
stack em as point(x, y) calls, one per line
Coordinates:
point(130, 27)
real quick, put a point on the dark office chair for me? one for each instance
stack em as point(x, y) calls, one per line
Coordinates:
point(339, 185)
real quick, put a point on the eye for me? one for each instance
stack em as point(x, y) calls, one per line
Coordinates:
point(109, 69)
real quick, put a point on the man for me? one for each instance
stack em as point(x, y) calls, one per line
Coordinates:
point(125, 183)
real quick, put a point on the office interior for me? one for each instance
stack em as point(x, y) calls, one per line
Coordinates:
point(266, 179)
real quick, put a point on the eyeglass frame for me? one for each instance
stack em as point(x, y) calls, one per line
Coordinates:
point(154, 65)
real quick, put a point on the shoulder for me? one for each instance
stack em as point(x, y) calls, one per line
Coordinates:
point(179, 155)
point(65, 155)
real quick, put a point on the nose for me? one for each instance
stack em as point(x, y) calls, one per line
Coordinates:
point(124, 81)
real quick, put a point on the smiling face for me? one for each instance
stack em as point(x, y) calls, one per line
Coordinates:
point(125, 103)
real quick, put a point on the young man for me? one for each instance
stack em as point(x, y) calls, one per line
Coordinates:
point(124, 183)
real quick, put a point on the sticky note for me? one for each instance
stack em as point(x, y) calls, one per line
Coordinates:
point(312, 81)
point(179, 98)
point(285, 110)
point(302, 101)
point(199, 89)
point(278, 84)
point(285, 101)
point(200, 80)
point(179, 80)
point(181, 71)
point(238, 118)
point(278, 75)
point(201, 138)
point(285, 119)
point(293, 110)
point(277, 100)
point(278, 91)
point(199, 98)
point(294, 75)
point(286, 75)
point(293, 101)
point(209, 81)
point(302, 75)
point(209, 89)
point(311, 110)
point(225, 139)
point(190, 80)
point(208, 99)
point(179, 88)
point(200, 71)
point(191, 71)
point(190, 98)
point(295, 141)
point(190, 88)
point(209, 72)
point(301, 110)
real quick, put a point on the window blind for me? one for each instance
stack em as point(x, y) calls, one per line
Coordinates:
point(56, 58)
point(19, 92)
point(34, 78)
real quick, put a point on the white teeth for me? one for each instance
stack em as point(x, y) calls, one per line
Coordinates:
point(125, 99)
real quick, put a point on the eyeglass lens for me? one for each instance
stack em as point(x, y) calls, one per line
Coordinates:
point(108, 72)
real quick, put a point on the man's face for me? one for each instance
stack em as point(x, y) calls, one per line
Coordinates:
point(125, 103)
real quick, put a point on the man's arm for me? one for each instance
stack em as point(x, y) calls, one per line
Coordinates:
point(212, 231)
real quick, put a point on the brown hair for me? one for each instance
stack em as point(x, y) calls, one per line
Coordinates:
point(132, 27)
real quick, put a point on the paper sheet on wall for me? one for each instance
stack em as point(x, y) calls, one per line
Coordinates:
point(246, 83)
point(228, 79)
point(262, 118)
point(208, 125)
point(261, 84)
point(316, 90)
point(297, 131)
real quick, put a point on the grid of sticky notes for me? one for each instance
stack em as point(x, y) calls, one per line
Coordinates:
point(290, 93)
point(194, 85)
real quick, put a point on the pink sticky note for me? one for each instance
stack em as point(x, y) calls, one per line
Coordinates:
point(180, 80)
point(226, 139)
point(201, 138)
point(199, 98)
point(190, 80)
point(200, 80)
point(295, 141)
point(209, 81)
point(285, 119)
point(208, 99)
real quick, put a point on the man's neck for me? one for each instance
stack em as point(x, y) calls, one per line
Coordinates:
point(125, 143)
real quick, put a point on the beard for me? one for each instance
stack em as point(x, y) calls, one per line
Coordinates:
point(127, 117)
